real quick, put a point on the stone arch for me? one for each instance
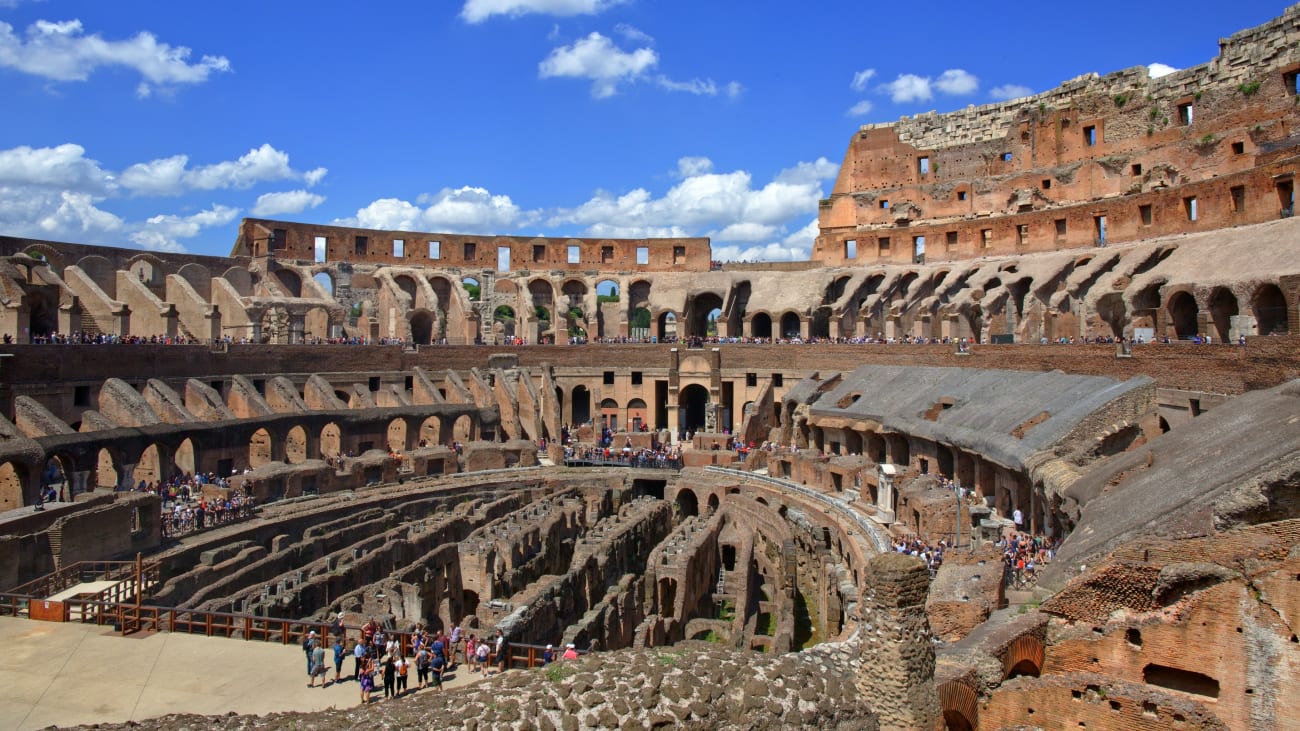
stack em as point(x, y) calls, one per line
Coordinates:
point(609, 414)
point(687, 503)
point(108, 469)
point(1024, 656)
point(574, 292)
point(421, 326)
point(151, 466)
point(693, 401)
point(960, 704)
point(704, 309)
point(58, 473)
point(325, 281)
point(790, 323)
point(580, 398)
point(637, 415)
point(442, 289)
point(1183, 314)
point(261, 447)
point(102, 271)
point(13, 477)
point(638, 294)
point(290, 280)
point(186, 457)
point(667, 326)
point(199, 278)
point(462, 430)
point(713, 503)
point(295, 445)
point(430, 432)
point(406, 283)
point(331, 440)
point(1269, 307)
point(504, 318)
point(760, 325)
point(1223, 307)
point(147, 269)
point(397, 435)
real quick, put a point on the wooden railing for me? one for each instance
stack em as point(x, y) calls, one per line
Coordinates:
point(16, 601)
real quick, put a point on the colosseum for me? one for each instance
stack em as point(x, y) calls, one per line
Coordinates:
point(1018, 447)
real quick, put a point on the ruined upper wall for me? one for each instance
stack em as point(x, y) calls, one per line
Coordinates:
point(1096, 160)
point(318, 243)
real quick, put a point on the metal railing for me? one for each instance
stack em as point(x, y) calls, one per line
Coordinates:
point(640, 463)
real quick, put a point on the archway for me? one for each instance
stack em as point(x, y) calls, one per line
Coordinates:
point(106, 470)
point(704, 313)
point(295, 445)
point(687, 503)
point(607, 305)
point(1183, 312)
point(422, 327)
point(1269, 307)
point(12, 478)
point(290, 280)
point(581, 405)
point(463, 428)
point(691, 407)
point(259, 448)
point(149, 468)
point(55, 475)
point(472, 288)
point(430, 429)
point(1223, 307)
point(406, 284)
point(790, 326)
point(637, 415)
point(397, 435)
point(639, 323)
point(667, 327)
point(331, 440)
point(609, 414)
point(713, 508)
point(504, 316)
point(186, 458)
point(761, 326)
point(325, 282)
point(145, 271)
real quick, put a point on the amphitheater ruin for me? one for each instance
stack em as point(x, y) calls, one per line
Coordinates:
point(1073, 317)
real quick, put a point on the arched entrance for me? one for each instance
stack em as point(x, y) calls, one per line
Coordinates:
point(761, 326)
point(691, 407)
point(581, 405)
point(1223, 307)
point(1269, 307)
point(330, 440)
point(790, 326)
point(1183, 313)
point(186, 458)
point(422, 327)
point(687, 503)
point(106, 470)
point(704, 314)
point(12, 477)
point(667, 327)
point(295, 445)
point(397, 435)
point(259, 448)
point(429, 431)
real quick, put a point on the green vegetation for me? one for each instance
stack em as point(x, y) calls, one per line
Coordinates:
point(641, 317)
point(575, 313)
point(668, 658)
point(542, 313)
point(1208, 139)
point(603, 298)
point(503, 314)
point(1249, 89)
point(557, 671)
point(727, 610)
point(1121, 100)
point(473, 290)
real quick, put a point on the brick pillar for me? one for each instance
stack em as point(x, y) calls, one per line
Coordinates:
point(896, 675)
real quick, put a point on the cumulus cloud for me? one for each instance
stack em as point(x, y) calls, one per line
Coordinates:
point(1156, 70)
point(466, 209)
point(909, 88)
point(957, 82)
point(861, 79)
point(1010, 91)
point(161, 232)
point(477, 11)
point(861, 109)
point(62, 51)
point(633, 34)
point(173, 176)
point(598, 59)
point(688, 166)
point(287, 202)
point(64, 166)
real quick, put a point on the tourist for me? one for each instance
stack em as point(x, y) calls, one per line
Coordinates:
point(436, 670)
point(471, 653)
point(548, 655)
point(317, 664)
point(307, 643)
point(570, 652)
point(389, 666)
point(502, 656)
point(367, 676)
point(339, 652)
point(402, 667)
point(482, 651)
point(361, 653)
point(422, 663)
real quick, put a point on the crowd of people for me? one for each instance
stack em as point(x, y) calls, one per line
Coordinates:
point(85, 338)
point(932, 555)
point(1024, 555)
point(187, 509)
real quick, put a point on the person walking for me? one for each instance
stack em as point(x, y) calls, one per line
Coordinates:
point(367, 675)
point(339, 652)
point(390, 676)
point(317, 664)
point(402, 667)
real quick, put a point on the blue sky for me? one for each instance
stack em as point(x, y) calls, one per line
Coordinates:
point(159, 125)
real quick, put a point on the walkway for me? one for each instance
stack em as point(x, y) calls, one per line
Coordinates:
point(70, 674)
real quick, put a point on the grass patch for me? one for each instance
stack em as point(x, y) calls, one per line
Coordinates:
point(557, 671)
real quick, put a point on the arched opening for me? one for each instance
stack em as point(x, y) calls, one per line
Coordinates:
point(430, 431)
point(149, 468)
point(12, 477)
point(316, 324)
point(761, 326)
point(607, 306)
point(422, 327)
point(1269, 307)
point(325, 282)
point(703, 317)
point(687, 503)
point(259, 448)
point(186, 458)
point(692, 406)
point(1183, 312)
point(1223, 307)
point(667, 327)
point(146, 273)
point(407, 285)
point(463, 428)
point(503, 320)
point(639, 323)
point(290, 280)
point(397, 435)
point(638, 415)
point(609, 414)
point(472, 288)
point(790, 326)
point(820, 327)
point(55, 475)
point(713, 508)
point(581, 398)
point(1164, 425)
point(331, 440)
point(1024, 668)
point(106, 470)
point(295, 445)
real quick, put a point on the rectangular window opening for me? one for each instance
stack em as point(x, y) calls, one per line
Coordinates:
point(1022, 234)
point(503, 258)
point(851, 249)
point(471, 251)
point(1239, 148)
point(1290, 81)
point(81, 396)
point(923, 165)
point(751, 380)
point(961, 195)
point(1145, 212)
point(1061, 228)
point(1047, 183)
point(986, 237)
point(1238, 198)
point(636, 378)
point(399, 249)
point(435, 249)
point(1286, 197)
point(374, 384)
point(1099, 229)
point(359, 245)
point(679, 255)
point(1006, 157)
point(606, 255)
point(778, 380)
point(1135, 169)
point(320, 246)
point(952, 240)
point(539, 253)
point(884, 203)
point(918, 249)
point(1186, 113)
point(609, 378)
point(1090, 135)
point(882, 245)
point(574, 255)
point(642, 255)
point(1189, 205)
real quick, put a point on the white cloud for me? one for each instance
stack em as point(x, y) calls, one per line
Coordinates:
point(1156, 70)
point(461, 210)
point(698, 87)
point(269, 205)
point(805, 173)
point(909, 88)
point(161, 232)
point(477, 11)
point(633, 34)
point(957, 82)
point(61, 51)
point(598, 59)
point(688, 166)
point(734, 89)
point(64, 166)
point(745, 232)
point(861, 79)
point(1010, 91)
point(172, 176)
point(861, 109)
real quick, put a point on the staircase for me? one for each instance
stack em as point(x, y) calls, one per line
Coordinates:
point(55, 537)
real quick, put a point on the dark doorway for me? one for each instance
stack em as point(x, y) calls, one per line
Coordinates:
point(693, 400)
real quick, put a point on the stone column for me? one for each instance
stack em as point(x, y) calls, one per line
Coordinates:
point(896, 675)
